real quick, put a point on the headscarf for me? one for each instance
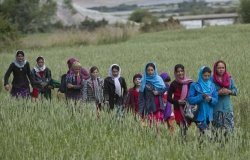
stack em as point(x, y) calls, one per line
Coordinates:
point(225, 82)
point(118, 89)
point(37, 68)
point(155, 80)
point(20, 64)
point(184, 82)
point(75, 77)
point(165, 76)
point(84, 72)
point(206, 86)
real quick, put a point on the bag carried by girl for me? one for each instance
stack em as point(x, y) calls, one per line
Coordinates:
point(190, 111)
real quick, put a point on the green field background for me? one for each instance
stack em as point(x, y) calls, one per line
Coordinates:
point(55, 130)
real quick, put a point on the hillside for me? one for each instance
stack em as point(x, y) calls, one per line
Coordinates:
point(94, 3)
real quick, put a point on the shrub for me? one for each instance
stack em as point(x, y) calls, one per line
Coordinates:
point(90, 25)
point(160, 26)
point(8, 34)
point(141, 15)
point(244, 11)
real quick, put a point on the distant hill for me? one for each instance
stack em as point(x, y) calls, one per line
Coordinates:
point(94, 3)
point(81, 6)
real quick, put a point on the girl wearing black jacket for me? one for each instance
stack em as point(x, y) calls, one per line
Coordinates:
point(21, 76)
point(115, 89)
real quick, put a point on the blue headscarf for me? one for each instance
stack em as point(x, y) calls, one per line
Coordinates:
point(206, 86)
point(155, 80)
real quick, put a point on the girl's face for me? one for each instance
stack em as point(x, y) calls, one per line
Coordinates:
point(150, 71)
point(220, 69)
point(206, 76)
point(20, 58)
point(40, 63)
point(77, 70)
point(137, 81)
point(95, 73)
point(115, 72)
point(180, 73)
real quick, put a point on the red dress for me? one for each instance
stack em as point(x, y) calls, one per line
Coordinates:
point(174, 94)
point(132, 101)
point(35, 92)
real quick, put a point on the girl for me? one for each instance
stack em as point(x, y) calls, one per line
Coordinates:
point(93, 88)
point(168, 113)
point(223, 111)
point(177, 95)
point(21, 76)
point(115, 89)
point(203, 94)
point(84, 73)
point(152, 87)
point(74, 82)
point(132, 103)
point(42, 77)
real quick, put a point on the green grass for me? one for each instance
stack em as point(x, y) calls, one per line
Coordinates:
point(56, 131)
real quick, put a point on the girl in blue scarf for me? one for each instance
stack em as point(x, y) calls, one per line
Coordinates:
point(203, 94)
point(150, 95)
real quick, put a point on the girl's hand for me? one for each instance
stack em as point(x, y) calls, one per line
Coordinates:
point(155, 93)
point(43, 84)
point(106, 102)
point(224, 91)
point(220, 92)
point(7, 87)
point(70, 86)
point(204, 96)
point(181, 102)
point(208, 98)
point(227, 91)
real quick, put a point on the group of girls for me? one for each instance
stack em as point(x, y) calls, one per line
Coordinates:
point(152, 97)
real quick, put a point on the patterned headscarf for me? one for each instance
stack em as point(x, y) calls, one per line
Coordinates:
point(84, 72)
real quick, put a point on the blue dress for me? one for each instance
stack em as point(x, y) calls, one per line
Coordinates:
point(205, 109)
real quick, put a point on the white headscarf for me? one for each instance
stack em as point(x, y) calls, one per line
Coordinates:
point(118, 88)
point(37, 68)
point(19, 64)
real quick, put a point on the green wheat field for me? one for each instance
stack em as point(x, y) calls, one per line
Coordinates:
point(56, 130)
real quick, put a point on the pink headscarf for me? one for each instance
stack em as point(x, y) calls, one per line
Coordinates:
point(184, 82)
point(225, 82)
point(84, 72)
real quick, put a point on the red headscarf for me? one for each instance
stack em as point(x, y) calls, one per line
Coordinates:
point(225, 82)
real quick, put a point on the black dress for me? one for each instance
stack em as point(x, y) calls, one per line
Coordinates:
point(21, 79)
